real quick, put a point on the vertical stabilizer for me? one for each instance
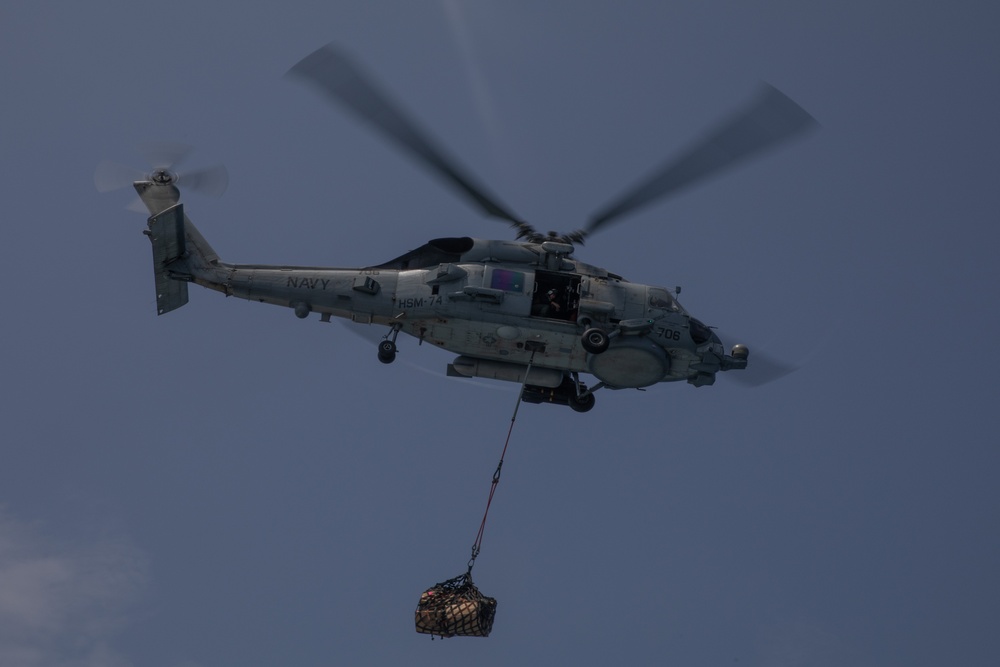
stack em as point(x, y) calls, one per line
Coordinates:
point(166, 231)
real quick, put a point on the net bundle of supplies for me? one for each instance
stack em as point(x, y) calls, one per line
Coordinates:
point(455, 608)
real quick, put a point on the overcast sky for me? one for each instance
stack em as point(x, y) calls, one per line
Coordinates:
point(230, 485)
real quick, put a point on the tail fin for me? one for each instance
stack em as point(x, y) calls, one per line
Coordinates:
point(166, 231)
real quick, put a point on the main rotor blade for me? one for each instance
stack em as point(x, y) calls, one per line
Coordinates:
point(334, 74)
point(769, 120)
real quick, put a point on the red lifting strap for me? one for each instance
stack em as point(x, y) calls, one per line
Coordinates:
point(477, 545)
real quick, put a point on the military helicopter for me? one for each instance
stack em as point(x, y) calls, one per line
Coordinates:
point(524, 311)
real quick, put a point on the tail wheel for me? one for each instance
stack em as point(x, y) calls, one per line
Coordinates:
point(595, 340)
point(386, 351)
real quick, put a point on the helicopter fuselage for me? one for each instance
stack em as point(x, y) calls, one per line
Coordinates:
point(501, 306)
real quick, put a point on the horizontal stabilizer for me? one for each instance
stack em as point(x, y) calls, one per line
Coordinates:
point(166, 231)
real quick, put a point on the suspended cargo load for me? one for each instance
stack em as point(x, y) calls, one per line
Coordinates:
point(455, 608)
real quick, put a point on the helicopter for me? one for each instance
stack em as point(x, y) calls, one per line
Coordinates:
point(524, 310)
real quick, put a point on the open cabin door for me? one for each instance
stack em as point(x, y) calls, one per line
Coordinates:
point(556, 296)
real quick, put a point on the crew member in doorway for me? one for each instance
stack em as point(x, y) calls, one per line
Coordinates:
point(552, 308)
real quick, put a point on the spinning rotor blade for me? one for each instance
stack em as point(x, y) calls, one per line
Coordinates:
point(168, 155)
point(165, 154)
point(334, 74)
point(769, 120)
point(113, 176)
point(162, 157)
point(211, 181)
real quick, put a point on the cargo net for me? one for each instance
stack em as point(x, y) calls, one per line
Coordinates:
point(455, 608)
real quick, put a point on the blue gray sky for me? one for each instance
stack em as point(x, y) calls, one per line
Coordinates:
point(229, 485)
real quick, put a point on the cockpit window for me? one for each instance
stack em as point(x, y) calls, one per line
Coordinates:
point(700, 333)
point(660, 299)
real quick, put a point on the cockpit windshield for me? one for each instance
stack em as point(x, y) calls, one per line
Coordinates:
point(661, 299)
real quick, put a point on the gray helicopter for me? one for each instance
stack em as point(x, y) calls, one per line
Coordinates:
point(523, 311)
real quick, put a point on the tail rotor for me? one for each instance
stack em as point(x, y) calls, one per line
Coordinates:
point(164, 159)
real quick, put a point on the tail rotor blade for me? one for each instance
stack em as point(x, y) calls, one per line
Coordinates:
point(137, 206)
point(211, 181)
point(111, 176)
point(163, 157)
point(164, 154)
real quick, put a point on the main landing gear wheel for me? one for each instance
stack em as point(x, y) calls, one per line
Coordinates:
point(595, 340)
point(386, 351)
point(582, 403)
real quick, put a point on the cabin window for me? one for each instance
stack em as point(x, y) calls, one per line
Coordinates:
point(508, 281)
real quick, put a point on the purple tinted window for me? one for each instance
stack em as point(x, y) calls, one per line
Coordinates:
point(508, 281)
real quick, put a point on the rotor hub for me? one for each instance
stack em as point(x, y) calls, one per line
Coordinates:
point(163, 177)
